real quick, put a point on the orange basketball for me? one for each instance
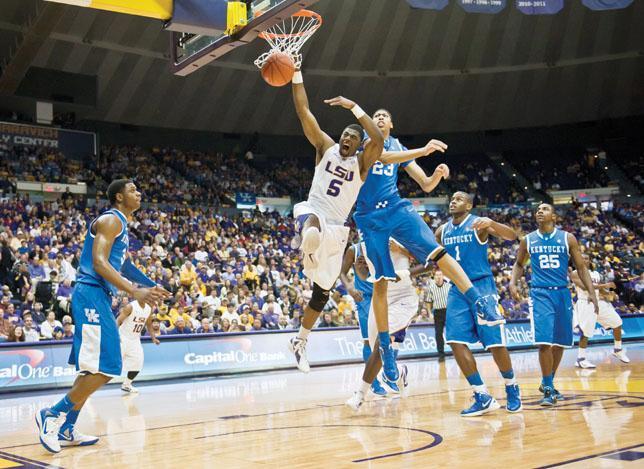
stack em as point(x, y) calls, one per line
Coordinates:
point(278, 69)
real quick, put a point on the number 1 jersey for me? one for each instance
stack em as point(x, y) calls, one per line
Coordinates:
point(462, 243)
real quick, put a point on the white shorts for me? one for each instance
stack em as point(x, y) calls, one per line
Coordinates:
point(331, 250)
point(401, 312)
point(132, 353)
point(585, 317)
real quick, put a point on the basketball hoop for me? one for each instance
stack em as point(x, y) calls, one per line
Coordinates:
point(290, 35)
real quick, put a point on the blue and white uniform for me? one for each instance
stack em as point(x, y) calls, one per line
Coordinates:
point(381, 213)
point(463, 244)
point(550, 299)
point(96, 347)
point(366, 288)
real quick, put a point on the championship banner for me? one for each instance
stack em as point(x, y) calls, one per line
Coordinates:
point(482, 6)
point(601, 5)
point(44, 366)
point(539, 7)
point(428, 4)
point(72, 143)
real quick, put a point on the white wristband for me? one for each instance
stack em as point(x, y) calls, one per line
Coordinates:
point(357, 111)
point(297, 78)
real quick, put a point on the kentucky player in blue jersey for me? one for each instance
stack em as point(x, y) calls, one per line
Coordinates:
point(549, 251)
point(465, 237)
point(104, 269)
point(381, 213)
point(361, 291)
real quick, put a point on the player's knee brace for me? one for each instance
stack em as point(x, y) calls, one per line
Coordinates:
point(318, 298)
point(439, 255)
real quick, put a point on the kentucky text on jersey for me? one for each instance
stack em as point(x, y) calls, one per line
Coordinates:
point(457, 239)
point(549, 257)
point(547, 249)
point(381, 184)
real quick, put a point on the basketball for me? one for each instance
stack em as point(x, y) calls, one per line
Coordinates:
point(278, 69)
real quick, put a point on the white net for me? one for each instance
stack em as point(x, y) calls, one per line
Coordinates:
point(289, 36)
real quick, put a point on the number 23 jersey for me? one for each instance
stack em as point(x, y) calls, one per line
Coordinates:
point(335, 187)
point(549, 257)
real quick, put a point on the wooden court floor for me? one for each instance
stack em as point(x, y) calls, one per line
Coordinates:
point(288, 419)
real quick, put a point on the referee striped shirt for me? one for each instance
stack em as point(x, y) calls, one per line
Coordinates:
point(437, 295)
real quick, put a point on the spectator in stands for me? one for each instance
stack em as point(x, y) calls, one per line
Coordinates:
point(68, 330)
point(257, 325)
point(47, 327)
point(58, 333)
point(64, 295)
point(206, 327)
point(327, 320)
point(38, 314)
point(188, 274)
point(156, 327)
point(180, 327)
point(31, 333)
point(16, 334)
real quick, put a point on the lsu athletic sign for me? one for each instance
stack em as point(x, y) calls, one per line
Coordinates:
point(26, 366)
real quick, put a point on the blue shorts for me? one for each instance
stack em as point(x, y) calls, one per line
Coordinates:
point(551, 316)
point(401, 222)
point(97, 345)
point(363, 316)
point(461, 326)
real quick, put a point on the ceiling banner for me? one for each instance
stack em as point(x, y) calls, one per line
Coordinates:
point(539, 7)
point(600, 5)
point(482, 6)
point(428, 4)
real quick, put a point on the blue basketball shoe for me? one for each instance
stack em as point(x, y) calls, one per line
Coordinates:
point(391, 385)
point(483, 403)
point(389, 367)
point(378, 389)
point(514, 398)
point(557, 395)
point(487, 312)
point(549, 398)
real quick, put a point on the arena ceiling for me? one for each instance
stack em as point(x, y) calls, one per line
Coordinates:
point(437, 71)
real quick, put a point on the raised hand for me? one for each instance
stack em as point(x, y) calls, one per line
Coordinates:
point(340, 101)
point(435, 145)
point(481, 223)
point(356, 295)
point(442, 171)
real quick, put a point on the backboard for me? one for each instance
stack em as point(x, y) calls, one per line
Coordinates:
point(192, 51)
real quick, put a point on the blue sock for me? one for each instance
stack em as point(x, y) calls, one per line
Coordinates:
point(385, 341)
point(64, 405)
point(70, 420)
point(366, 352)
point(472, 295)
point(474, 379)
point(508, 374)
point(548, 381)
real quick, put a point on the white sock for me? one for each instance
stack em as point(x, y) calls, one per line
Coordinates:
point(364, 387)
point(303, 333)
point(127, 382)
point(581, 353)
point(510, 381)
point(481, 389)
point(618, 344)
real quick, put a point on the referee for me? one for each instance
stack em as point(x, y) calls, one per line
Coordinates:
point(436, 301)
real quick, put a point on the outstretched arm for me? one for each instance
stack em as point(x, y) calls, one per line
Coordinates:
point(485, 227)
point(427, 183)
point(518, 269)
point(389, 157)
point(582, 270)
point(133, 274)
point(318, 138)
point(375, 144)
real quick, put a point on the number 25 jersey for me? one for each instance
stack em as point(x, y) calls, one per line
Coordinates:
point(549, 256)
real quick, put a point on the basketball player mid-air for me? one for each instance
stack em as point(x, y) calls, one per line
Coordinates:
point(465, 237)
point(104, 269)
point(131, 321)
point(585, 317)
point(381, 213)
point(340, 170)
point(549, 251)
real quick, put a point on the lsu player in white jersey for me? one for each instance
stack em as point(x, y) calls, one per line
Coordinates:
point(402, 302)
point(321, 234)
point(132, 319)
point(585, 317)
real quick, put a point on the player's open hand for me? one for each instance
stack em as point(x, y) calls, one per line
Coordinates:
point(514, 291)
point(481, 223)
point(340, 101)
point(150, 296)
point(166, 294)
point(435, 145)
point(442, 171)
